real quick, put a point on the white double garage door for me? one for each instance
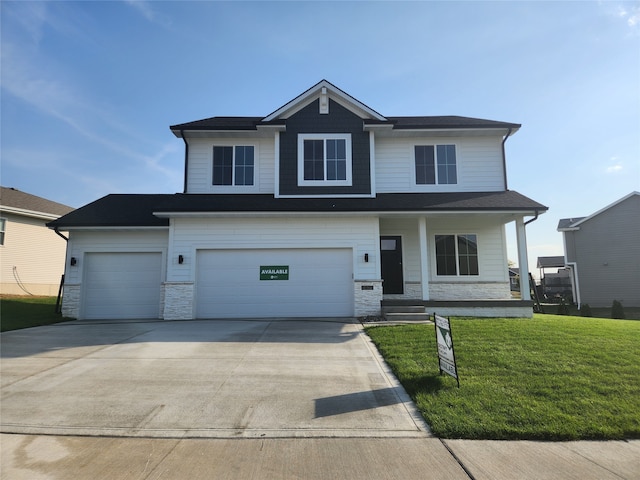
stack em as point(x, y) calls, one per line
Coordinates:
point(228, 284)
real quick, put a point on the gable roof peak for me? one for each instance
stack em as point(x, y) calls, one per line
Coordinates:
point(324, 90)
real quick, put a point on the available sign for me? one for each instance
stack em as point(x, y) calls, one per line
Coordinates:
point(446, 355)
point(274, 272)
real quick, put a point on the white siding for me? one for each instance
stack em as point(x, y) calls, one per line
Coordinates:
point(199, 174)
point(81, 242)
point(479, 162)
point(190, 235)
point(32, 257)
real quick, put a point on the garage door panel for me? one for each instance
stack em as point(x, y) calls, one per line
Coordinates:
point(122, 285)
point(228, 283)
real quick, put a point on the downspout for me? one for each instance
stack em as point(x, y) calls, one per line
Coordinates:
point(531, 220)
point(504, 161)
point(575, 283)
point(186, 159)
point(66, 251)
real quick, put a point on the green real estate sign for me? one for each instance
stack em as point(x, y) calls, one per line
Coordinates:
point(446, 354)
point(274, 272)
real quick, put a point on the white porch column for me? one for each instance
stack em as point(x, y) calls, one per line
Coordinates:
point(523, 259)
point(424, 269)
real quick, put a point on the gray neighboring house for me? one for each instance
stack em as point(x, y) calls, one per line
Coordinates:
point(603, 253)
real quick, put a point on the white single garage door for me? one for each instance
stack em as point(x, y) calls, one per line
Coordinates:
point(253, 284)
point(122, 285)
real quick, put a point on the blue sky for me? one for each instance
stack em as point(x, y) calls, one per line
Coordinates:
point(89, 89)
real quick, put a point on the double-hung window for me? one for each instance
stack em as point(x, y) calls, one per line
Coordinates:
point(3, 226)
point(457, 255)
point(324, 159)
point(435, 164)
point(233, 165)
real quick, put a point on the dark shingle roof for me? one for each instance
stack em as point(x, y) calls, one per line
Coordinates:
point(398, 123)
point(137, 210)
point(568, 222)
point(10, 197)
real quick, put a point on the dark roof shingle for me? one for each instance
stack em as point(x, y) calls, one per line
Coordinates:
point(138, 210)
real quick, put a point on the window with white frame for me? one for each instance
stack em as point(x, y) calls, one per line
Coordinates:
point(3, 226)
point(233, 165)
point(324, 159)
point(457, 255)
point(435, 164)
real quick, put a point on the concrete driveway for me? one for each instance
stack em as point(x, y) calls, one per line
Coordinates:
point(202, 379)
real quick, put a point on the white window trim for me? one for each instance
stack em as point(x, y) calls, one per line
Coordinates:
point(324, 183)
point(233, 187)
point(457, 275)
point(3, 230)
point(435, 153)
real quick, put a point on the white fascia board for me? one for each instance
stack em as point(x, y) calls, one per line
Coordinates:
point(577, 224)
point(29, 213)
point(70, 229)
point(443, 132)
point(408, 213)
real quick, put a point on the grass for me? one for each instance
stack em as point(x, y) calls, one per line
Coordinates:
point(547, 378)
point(27, 311)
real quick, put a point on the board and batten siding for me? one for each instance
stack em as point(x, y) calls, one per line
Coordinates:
point(607, 251)
point(479, 162)
point(32, 257)
point(200, 168)
point(190, 235)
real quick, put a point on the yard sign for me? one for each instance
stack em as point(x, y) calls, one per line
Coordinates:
point(446, 355)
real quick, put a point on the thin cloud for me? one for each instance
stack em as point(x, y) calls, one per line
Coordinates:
point(614, 169)
point(146, 9)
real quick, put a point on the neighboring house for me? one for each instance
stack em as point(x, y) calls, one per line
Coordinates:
point(323, 208)
point(603, 253)
point(31, 255)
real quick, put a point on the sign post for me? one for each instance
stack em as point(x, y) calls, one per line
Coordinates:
point(446, 355)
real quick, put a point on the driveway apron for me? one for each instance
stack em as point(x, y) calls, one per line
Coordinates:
point(202, 379)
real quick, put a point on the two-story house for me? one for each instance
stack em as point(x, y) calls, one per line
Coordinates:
point(323, 208)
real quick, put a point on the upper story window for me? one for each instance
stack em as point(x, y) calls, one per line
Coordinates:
point(457, 255)
point(435, 164)
point(3, 226)
point(324, 159)
point(233, 165)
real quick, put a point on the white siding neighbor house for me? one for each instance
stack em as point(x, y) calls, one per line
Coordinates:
point(31, 255)
point(602, 253)
point(323, 208)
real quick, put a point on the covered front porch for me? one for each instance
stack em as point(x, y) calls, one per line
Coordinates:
point(453, 264)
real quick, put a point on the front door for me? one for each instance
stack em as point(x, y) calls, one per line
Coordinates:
point(391, 264)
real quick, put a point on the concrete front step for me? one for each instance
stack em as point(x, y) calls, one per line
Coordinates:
point(406, 317)
point(403, 309)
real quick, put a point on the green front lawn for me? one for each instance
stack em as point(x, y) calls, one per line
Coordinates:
point(547, 378)
point(27, 311)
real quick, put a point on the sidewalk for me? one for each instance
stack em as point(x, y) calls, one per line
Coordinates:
point(94, 458)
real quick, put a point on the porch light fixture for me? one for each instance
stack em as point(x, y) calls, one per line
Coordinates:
point(73, 261)
point(180, 259)
point(366, 258)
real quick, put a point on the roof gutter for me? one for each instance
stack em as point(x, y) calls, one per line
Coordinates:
point(531, 220)
point(504, 162)
point(60, 235)
point(186, 159)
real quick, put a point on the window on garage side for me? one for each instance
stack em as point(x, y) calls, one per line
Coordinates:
point(233, 165)
point(435, 164)
point(324, 159)
point(3, 226)
point(457, 255)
